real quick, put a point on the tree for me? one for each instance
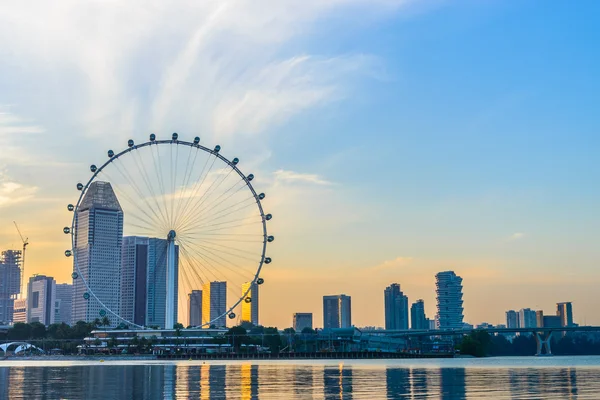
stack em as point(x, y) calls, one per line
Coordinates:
point(19, 331)
point(97, 322)
point(38, 330)
point(237, 336)
point(477, 343)
point(105, 321)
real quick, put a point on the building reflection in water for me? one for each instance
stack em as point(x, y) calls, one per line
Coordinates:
point(337, 382)
point(397, 382)
point(452, 383)
point(249, 382)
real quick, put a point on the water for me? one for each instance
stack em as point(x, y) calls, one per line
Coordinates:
point(492, 378)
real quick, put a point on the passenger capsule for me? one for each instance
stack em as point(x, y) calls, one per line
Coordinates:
point(74, 275)
point(93, 168)
point(174, 136)
point(235, 161)
point(196, 140)
point(111, 154)
point(261, 196)
point(260, 281)
point(130, 143)
point(248, 300)
point(68, 253)
point(79, 186)
point(66, 230)
point(102, 313)
point(152, 137)
point(231, 315)
point(270, 239)
point(268, 260)
point(217, 148)
point(268, 217)
point(250, 177)
point(70, 207)
point(86, 295)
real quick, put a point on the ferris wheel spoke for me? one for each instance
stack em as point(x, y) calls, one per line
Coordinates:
point(218, 251)
point(220, 200)
point(143, 171)
point(231, 248)
point(222, 213)
point(233, 221)
point(149, 220)
point(215, 254)
point(208, 268)
point(139, 193)
point(208, 258)
point(198, 185)
point(186, 177)
point(206, 195)
point(222, 228)
point(161, 184)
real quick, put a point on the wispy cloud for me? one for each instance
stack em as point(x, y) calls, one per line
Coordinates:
point(282, 176)
point(11, 124)
point(12, 192)
point(516, 236)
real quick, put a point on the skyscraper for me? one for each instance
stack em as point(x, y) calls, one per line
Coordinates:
point(143, 280)
point(214, 303)
point(40, 299)
point(195, 308)
point(565, 312)
point(250, 310)
point(418, 320)
point(20, 311)
point(157, 282)
point(302, 321)
point(396, 307)
point(10, 283)
point(512, 319)
point(337, 311)
point(527, 318)
point(63, 295)
point(98, 241)
point(449, 301)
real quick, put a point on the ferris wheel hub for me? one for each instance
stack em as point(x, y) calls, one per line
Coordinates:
point(171, 236)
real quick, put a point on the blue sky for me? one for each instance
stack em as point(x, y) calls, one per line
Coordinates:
point(398, 138)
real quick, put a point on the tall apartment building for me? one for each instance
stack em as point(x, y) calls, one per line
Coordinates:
point(20, 311)
point(565, 312)
point(214, 304)
point(337, 311)
point(195, 308)
point(396, 307)
point(449, 300)
point(512, 319)
point(98, 242)
point(10, 283)
point(40, 299)
point(144, 280)
point(63, 296)
point(302, 321)
point(418, 320)
point(250, 309)
point(527, 318)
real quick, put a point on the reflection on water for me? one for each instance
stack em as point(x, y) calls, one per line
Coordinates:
point(359, 380)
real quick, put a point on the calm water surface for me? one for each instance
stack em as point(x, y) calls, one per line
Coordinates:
point(494, 378)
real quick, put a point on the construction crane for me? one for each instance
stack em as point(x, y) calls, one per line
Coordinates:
point(25, 243)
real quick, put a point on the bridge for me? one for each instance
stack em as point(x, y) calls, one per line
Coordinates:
point(543, 335)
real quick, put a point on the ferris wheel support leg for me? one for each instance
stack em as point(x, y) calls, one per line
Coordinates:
point(170, 282)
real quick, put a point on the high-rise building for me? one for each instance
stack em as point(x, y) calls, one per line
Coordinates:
point(396, 307)
point(63, 295)
point(565, 312)
point(449, 301)
point(337, 311)
point(40, 299)
point(143, 280)
point(512, 319)
point(539, 319)
point(302, 321)
point(20, 311)
point(157, 282)
point(527, 318)
point(214, 304)
point(551, 321)
point(250, 307)
point(98, 242)
point(195, 308)
point(418, 320)
point(10, 283)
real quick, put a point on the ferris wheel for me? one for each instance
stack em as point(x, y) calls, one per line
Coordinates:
point(157, 223)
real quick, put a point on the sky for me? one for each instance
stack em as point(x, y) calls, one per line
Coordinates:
point(394, 138)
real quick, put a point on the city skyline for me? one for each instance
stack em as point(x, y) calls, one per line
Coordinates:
point(404, 168)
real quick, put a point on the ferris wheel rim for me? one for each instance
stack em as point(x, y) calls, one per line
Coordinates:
point(215, 152)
